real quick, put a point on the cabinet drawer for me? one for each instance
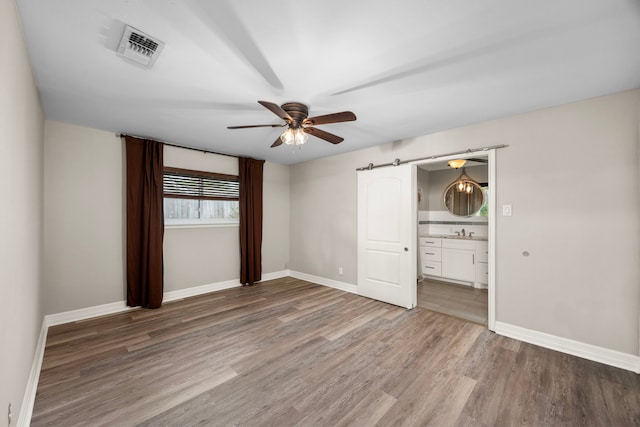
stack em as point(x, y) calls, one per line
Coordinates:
point(430, 254)
point(459, 244)
point(482, 251)
point(482, 272)
point(432, 268)
point(430, 241)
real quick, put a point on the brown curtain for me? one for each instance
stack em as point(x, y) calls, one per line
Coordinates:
point(145, 223)
point(250, 177)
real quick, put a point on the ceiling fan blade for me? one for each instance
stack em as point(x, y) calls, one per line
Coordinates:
point(277, 142)
point(277, 110)
point(334, 139)
point(256, 126)
point(344, 116)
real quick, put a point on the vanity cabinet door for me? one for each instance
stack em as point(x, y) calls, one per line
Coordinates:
point(482, 251)
point(459, 264)
point(482, 273)
point(482, 260)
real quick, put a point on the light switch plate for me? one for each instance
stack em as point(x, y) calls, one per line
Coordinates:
point(506, 210)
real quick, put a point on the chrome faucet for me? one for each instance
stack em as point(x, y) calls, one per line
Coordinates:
point(463, 232)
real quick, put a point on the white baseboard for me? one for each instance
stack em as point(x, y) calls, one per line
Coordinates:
point(275, 275)
point(26, 410)
point(609, 357)
point(120, 306)
point(29, 398)
point(86, 313)
point(343, 286)
point(199, 290)
point(598, 354)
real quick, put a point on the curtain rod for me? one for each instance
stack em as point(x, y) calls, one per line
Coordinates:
point(397, 162)
point(121, 135)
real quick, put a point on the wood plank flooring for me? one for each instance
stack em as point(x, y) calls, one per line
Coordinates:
point(460, 301)
point(291, 353)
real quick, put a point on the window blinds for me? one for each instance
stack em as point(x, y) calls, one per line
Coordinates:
point(188, 184)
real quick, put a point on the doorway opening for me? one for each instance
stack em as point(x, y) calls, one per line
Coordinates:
point(456, 256)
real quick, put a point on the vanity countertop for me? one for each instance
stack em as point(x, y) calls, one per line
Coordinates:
point(452, 236)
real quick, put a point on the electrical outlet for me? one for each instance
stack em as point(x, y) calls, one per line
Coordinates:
point(340, 272)
point(9, 415)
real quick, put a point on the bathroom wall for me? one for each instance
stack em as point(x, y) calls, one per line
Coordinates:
point(423, 189)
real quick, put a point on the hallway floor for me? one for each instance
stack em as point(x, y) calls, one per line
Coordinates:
point(460, 301)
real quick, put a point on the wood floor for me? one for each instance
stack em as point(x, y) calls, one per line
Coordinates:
point(460, 301)
point(291, 353)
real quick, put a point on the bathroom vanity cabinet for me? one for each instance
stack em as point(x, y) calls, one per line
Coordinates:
point(482, 262)
point(459, 260)
point(431, 256)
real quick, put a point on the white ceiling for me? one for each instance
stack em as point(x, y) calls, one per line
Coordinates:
point(404, 67)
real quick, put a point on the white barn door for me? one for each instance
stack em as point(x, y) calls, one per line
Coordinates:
point(387, 233)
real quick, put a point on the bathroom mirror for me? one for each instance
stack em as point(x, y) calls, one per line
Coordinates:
point(465, 202)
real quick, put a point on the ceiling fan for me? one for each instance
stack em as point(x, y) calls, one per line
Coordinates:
point(299, 125)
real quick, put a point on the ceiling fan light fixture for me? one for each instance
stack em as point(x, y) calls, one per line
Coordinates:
point(294, 136)
point(287, 136)
point(299, 126)
point(301, 136)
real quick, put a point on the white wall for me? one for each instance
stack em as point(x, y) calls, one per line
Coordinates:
point(85, 216)
point(275, 217)
point(21, 138)
point(84, 211)
point(571, 174)
point(323, 217)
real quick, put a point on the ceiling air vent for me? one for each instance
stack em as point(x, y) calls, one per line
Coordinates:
point(139, 47)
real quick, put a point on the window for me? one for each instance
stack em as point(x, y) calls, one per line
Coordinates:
point(200, 198)
point(484, 210)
